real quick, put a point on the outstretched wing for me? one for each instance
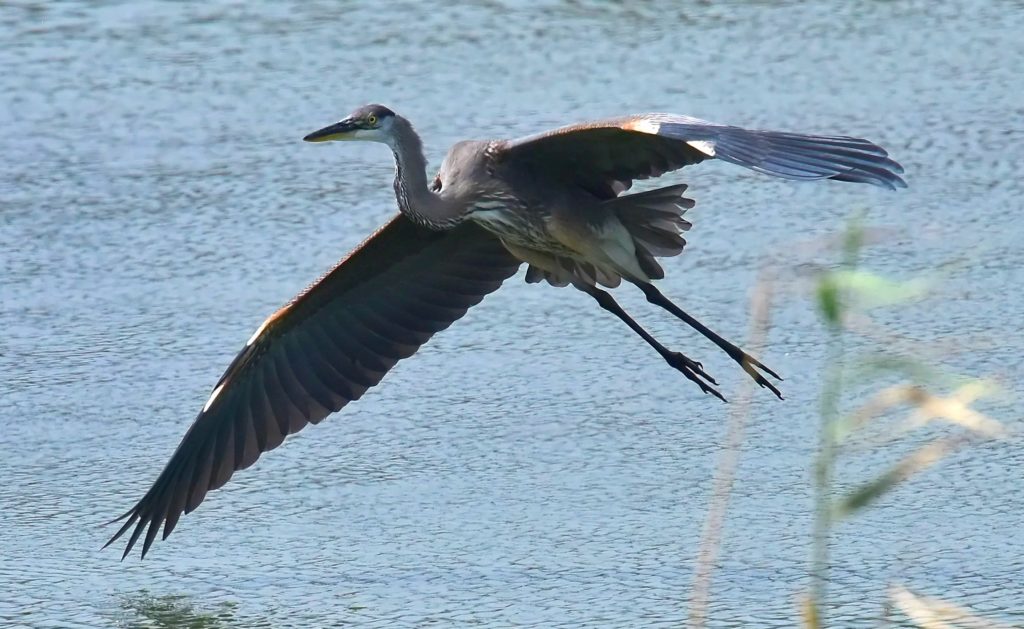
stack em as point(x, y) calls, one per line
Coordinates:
point(321, 351)
point(605, 156)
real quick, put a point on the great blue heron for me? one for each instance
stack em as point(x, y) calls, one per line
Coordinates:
point(553, 200)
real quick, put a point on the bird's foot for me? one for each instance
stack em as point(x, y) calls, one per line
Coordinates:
point(751, 365)
point(694, 371)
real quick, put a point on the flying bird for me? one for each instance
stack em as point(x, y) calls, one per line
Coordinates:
point(556, 201)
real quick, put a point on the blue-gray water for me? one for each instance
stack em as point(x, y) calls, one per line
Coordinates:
point(534, 465)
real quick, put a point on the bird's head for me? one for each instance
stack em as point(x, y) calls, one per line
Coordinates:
point(369, 123)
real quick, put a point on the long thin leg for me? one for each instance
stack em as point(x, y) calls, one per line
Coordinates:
point(689, 368)
point(745, 360)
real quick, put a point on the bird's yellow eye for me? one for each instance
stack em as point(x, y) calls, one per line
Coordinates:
point(371, 119)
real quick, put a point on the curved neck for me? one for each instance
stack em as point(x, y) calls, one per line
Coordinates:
point(415, 199)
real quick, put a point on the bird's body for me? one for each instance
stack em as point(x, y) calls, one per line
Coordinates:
point(553, 227)
point(566, 233)
point(557, 201)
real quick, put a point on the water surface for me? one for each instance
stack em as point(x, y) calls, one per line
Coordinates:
point(535, 464)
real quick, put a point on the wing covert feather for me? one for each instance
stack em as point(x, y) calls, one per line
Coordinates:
point(606, 156)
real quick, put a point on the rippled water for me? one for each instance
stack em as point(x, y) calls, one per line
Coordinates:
point(535, 464)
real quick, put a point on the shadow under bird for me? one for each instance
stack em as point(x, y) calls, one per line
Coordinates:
point(555, 200)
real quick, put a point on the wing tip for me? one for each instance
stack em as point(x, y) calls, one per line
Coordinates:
point(135, 519)
point(883, 178)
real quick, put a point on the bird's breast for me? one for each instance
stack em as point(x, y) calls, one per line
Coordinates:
point(514, 222)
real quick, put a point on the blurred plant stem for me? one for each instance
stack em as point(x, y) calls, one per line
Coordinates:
point(728, 460)
point(830, 298)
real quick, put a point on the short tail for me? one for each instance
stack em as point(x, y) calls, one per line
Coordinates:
point(655, 221)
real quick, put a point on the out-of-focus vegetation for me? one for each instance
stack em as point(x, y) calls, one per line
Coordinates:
point(924, 395)
point(845, 294)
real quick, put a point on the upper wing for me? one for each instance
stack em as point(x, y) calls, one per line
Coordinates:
point(321, 351)
point(605, 156)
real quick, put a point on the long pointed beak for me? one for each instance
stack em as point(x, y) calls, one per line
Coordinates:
point(338, 131)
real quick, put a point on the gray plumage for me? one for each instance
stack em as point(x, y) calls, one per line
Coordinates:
point(557, 201)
